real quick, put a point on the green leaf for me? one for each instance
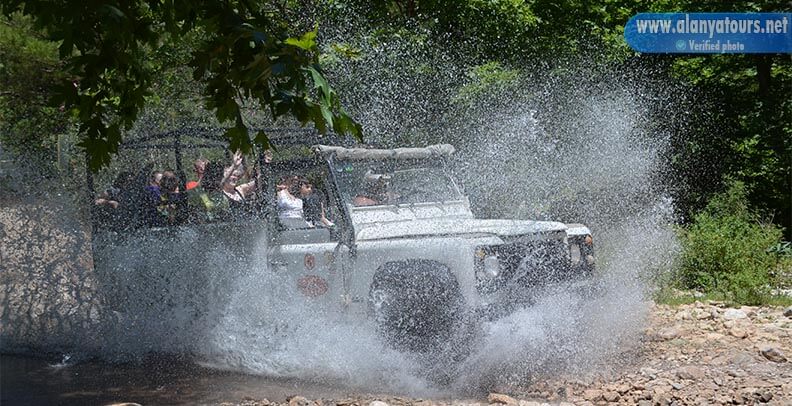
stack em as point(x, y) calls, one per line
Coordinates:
point(306, 42)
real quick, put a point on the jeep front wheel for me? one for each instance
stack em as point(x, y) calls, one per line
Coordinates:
point(416, 304)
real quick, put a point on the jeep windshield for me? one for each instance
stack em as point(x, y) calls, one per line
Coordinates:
point(393, 182)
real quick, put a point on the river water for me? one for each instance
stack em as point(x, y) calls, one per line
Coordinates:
point(156, 380)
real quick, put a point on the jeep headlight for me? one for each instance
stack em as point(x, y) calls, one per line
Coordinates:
point(491, 267)
point(487, 265)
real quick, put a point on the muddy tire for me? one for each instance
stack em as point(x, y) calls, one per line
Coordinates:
point(417, 305)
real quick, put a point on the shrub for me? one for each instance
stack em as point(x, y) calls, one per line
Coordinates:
point(727, 249)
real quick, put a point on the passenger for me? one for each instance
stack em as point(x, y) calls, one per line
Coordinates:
point(199, 167)
point(172, 205)
point(374, 190)
point(313, 206)
point(237, 195)
point(290, 206)
point(116, 206)
point(112, 195)
point(151, 200)
point(207, 202)
point(153, 188)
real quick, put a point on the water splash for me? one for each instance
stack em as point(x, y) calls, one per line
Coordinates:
point(571, 149)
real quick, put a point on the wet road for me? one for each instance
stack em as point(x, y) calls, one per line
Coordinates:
point(160, 380)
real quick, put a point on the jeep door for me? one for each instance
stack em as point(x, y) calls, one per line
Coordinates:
point(309, 255)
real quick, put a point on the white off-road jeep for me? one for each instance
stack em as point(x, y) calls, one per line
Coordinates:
point(404, 247)
point(407, 250)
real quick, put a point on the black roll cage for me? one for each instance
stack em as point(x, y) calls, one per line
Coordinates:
point(280, 137)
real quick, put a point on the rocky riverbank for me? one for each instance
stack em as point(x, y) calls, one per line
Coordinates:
point(697, 354)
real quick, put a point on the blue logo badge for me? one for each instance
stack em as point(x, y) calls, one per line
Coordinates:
point(710, 33)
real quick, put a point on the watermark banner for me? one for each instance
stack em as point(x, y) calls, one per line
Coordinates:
point(710, 33)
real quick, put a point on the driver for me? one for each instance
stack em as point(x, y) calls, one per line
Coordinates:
point(374, 190)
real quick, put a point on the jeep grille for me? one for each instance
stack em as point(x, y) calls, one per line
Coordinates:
point(525, 264)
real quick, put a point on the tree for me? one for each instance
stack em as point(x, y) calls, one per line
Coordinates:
point(29, 67)
point(244, 51)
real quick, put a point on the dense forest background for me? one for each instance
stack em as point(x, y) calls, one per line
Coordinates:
point(78, 77)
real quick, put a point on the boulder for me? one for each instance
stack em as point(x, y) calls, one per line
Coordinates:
point(773, 354)
point(611, 396)
point(741, 358)
point(690, 372)
point(763, 395)
point(592, 395)
point(667, 333)
point(298, 401)
point(501, 399)
point(738, 332)
point(734, 314)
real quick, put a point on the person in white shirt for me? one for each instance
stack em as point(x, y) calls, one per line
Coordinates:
point(289, 205)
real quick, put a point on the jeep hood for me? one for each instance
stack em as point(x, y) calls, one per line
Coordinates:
point(458, 227)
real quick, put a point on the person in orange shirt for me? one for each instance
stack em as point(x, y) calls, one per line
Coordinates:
point(199, 167)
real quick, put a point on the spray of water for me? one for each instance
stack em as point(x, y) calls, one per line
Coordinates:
point(598, 163)
point(572, 149)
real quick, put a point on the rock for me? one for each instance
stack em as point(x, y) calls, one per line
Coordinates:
point(741, 358)
point(622, 388)
point(611, 396)
point(644, 402)
point(788, 312)
point(501, 399)
point(703, 315)
point(756, 382)
point(298, 401)
point(667, 333)
point(378, 403)
point(661, 400)
point(690, 372)
point(734, 314)
point(592, 395)
point(744, 397)
point(749, 311)
point(738, 332)
point(529, 403)
point(773, 354)
point(649, 371)
point(763, 395)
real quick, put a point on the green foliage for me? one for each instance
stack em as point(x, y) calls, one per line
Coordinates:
point(725, 250)
point(29, 68)
point(246, 51)
point(673, 297)
point(488, 79)
point(110, 59)
point(751, 111)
